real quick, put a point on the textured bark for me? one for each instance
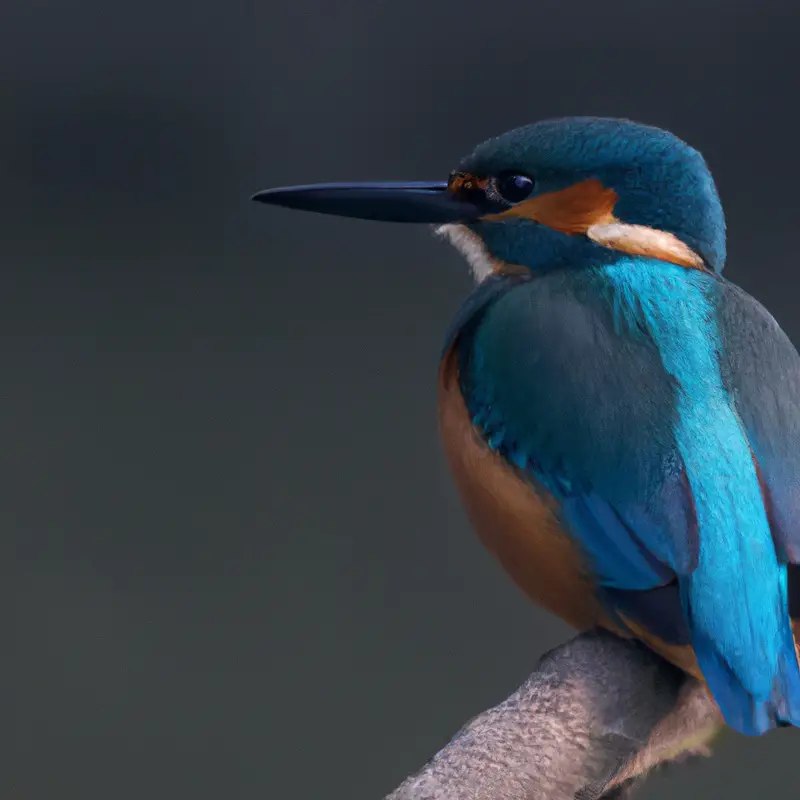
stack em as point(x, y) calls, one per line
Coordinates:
point(595, 717)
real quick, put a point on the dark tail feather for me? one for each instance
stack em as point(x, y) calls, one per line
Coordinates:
point(741, 711)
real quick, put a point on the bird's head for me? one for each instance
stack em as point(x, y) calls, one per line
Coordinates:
point(553, 194)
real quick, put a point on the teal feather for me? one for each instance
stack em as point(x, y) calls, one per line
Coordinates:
point(761, 371)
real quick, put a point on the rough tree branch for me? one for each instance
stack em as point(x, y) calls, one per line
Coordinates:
point(597, 714)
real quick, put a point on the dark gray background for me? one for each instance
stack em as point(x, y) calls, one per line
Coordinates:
point(233, 557)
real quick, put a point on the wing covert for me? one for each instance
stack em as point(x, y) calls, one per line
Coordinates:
point(588, 414)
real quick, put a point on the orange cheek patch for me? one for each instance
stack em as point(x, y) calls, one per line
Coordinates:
point(572, 210)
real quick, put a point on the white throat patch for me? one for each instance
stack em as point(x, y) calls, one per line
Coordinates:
point(471, 246)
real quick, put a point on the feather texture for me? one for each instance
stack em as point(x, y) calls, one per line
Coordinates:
point(610, 386)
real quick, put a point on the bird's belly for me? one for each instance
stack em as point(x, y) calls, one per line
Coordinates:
point(519, 524)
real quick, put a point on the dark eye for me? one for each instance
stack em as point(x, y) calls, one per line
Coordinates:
point(513, 187)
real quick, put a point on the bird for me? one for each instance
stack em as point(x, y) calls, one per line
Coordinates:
point(621, 421)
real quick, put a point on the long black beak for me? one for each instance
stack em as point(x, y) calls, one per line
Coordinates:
point(389, 202)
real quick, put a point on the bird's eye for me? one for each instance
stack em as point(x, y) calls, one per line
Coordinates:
point(514, 187)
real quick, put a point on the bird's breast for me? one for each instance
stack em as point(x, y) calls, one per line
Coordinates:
point(517, 522)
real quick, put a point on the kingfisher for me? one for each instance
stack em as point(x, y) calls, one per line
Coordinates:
point(621, 421)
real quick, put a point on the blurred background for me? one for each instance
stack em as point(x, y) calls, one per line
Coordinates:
point(233, 558)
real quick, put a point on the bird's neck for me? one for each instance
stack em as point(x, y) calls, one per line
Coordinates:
point(641, 297)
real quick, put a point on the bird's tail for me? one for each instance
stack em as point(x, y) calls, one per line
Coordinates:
point(747, 655)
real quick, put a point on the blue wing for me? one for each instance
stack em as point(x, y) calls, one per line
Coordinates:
point(601, 398)
point(590, 415)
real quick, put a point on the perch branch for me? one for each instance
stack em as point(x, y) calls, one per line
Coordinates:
point(594, 718)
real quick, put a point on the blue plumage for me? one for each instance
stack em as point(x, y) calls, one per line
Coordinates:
point(609, 379)
point(761, 371)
